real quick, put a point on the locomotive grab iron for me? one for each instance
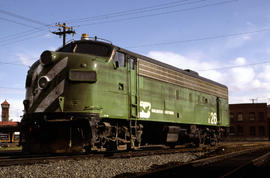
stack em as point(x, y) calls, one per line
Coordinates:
point(91, 95)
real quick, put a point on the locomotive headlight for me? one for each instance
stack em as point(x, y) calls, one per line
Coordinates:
point(47, 57)
point(43, 82)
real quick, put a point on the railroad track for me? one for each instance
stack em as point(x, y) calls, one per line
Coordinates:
point(17, 158)
point(245, 163)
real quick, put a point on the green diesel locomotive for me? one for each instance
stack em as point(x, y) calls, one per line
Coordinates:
point(91, 95)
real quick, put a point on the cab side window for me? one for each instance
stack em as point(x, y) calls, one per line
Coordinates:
point(132, 62)
point(120, 59)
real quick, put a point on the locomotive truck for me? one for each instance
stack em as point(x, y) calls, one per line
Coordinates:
point(92, 95)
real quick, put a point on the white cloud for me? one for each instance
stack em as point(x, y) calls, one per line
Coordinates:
point(12, 91)
point(240, 77)
point(265, 73)
point(26, 60)
point(237, 42)
point(52, 48)
point(240, 61)
point(189, 63)
point(263, 96)
point(256, 83)
point(244, 82)
point(213, 75)
point(48, 35)
point(180, 61)
point(239, 99)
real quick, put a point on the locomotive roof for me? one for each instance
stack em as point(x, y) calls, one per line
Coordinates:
point(148, 59)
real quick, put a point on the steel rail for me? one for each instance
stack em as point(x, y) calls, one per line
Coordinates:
point(25, 159)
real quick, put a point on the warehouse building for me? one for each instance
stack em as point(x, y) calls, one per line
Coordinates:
point(249, 121)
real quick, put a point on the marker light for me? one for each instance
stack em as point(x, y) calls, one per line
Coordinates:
point(85, 36)
point(47, 57)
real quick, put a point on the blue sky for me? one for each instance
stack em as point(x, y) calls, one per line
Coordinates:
point(224, 40)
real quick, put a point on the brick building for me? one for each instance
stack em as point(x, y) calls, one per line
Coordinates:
point(7, 128)
point(249, 121)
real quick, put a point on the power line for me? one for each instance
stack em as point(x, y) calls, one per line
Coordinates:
point(22, 17)
point(200, 39)
point(111, 14)
point(10, 63)
point(130, 18)
point(161, 13)
point(10, 42)
point(18, 23)
point(20, 36)
point(17, 35)
point(16, 60)
point(137, 11)
point(235, 66)
point(23, 34)
point(13, 88)
point(15, 64)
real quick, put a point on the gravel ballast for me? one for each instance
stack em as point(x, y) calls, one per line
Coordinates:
point(95, 167)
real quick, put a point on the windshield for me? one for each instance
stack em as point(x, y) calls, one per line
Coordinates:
point(88, 47)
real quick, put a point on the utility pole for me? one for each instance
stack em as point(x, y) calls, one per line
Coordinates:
point(65, 30)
